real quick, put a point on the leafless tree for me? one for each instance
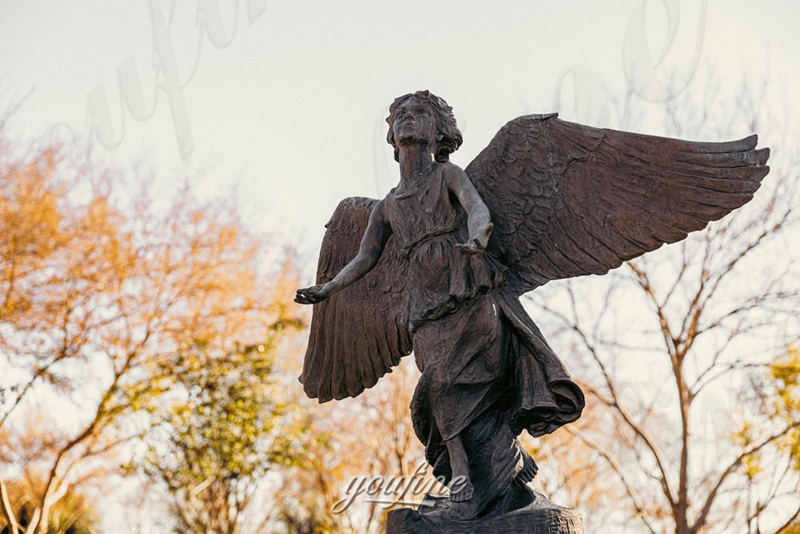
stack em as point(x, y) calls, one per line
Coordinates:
point(667, 348)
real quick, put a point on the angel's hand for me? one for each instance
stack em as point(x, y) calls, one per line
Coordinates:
point(477, 241)
point(313, 294)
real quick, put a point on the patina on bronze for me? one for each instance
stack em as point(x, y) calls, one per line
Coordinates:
point(439, 264)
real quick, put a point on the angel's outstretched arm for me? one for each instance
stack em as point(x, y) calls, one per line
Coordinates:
point(479, 221)
point(372, 245)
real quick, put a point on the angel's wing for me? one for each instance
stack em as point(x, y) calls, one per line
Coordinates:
point(359, 333)
point(568, 200)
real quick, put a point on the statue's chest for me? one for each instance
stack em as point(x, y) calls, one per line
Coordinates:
point(422, 213)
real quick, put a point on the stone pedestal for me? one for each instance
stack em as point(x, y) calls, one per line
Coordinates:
point(539, 517)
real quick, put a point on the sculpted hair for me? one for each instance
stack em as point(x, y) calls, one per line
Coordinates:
point(448, 136)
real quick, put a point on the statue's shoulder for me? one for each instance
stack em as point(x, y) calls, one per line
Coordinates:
point(450, 173)
point(449, 166)
point(388, 199)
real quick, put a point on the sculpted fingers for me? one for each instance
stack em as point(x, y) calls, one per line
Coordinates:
point(311, 295)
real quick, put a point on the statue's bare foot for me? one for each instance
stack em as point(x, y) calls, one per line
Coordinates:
point(529, 468)
point(462, 492)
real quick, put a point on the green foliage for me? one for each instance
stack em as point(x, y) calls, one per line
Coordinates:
point(222, 423)
point(776, 393)
point(121, 309)
point(226, 426)
point(785, 404)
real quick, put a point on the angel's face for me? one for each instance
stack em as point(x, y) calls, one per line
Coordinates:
point(414, 122)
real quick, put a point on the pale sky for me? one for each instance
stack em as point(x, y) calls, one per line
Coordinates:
point(289, 107)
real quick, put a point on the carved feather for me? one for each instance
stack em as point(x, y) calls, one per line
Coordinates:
point(568, 200)
point(359, 333)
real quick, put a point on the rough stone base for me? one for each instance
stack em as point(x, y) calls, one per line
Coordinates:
point(540, 517)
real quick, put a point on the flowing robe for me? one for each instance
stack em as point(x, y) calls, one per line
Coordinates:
point(487, 372)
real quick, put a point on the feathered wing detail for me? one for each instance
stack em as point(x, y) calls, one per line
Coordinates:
point(359, 333)
point(568, 200)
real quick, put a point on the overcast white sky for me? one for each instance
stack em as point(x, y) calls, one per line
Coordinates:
point(290, 105)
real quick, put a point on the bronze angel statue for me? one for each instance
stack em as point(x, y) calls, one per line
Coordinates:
point(437, 267)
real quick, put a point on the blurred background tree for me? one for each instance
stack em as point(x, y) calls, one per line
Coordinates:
point(683, 355)
point(73, 514)
point(225, 428)
point(95, 292)
point(369, 436)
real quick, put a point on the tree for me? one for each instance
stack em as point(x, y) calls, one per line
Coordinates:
point(74, 513)
point(315, 495)
point(771, 473)
point(666, 342)
point(93, 289)
point(225, 428)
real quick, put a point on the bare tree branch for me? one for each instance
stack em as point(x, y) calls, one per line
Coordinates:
point(789, 523)
point(8, 512)
point(732, 467)
point(617, 468)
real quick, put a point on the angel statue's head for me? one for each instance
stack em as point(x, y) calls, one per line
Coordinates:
point(448, 136)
